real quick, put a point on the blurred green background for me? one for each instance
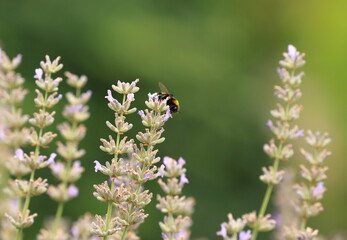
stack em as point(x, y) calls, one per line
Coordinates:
point(219, 58)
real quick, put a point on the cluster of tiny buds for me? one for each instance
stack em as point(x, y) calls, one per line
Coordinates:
point(178, 208)
point(305, 234)
point(234, 228)
point(312, 189)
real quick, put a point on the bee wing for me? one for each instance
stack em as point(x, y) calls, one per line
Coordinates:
point(163, 88)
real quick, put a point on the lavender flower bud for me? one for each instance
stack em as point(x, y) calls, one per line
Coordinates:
point(72, 134)
point(35, 188)
point(7, 64)
point(314, 174)
point(83, 99)
point(155, 104)
point(307, 234)
point(317, 158)
point(20, 221)
point(76, 113)
point(99, 226)
point(120, 126)
point(113, 170)
point(69, 151)
point(149, 138)
point(271, 176)
point(317, 139)
point(261, 224)
point(43, 141)
point(287, 94)
point(75, 81)
point(232, 227)
point(51, 67)
point(292, 59)
point(62, 194)
point(105, 194)
point(48, 84)
point(126, 88)
point(50, 102)
point(42, 119)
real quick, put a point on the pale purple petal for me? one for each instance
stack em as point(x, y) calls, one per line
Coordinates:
point(161, 171)
point(269, 123)
point(57, 167)
point(181, 161)
point(148, 175)
point(51, 158)
point(41, 158)
point(222, 232)
point(141, 113)
point(245, 235)
point(60, 96)
point(164, 236)
point(73, 191)
point(319, 189)
point(167, 115)
point(130, 97)
point(76, 164)
point(300, 133)
point(292, 53)
point(19, 154)
point(167, 161)
point(75, 231)
point(183, 179)
point(38, 73)
point(109, 96)
point(98, 166)
point(17, 59)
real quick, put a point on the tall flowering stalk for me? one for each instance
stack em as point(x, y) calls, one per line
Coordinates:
point(311, 190)
point(47, 98)
point(178, 208)
point(115, 169)
point(143, 167)
point(13, 134)
point(69, 170)
point(286, 112)
point(126, 193)
point(277, 149)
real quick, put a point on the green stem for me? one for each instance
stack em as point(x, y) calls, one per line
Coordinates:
point(109, 212)
point(27, 197)
point(58, 215)
point(268, 193)
point(19, 234)
point(110, 204)
point(303, 225)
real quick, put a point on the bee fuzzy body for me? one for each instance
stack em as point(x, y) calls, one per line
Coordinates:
point(171, 101)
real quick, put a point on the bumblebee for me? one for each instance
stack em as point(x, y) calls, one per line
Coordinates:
point(171, 101)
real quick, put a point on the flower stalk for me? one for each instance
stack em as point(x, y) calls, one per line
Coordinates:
point(46, 99)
